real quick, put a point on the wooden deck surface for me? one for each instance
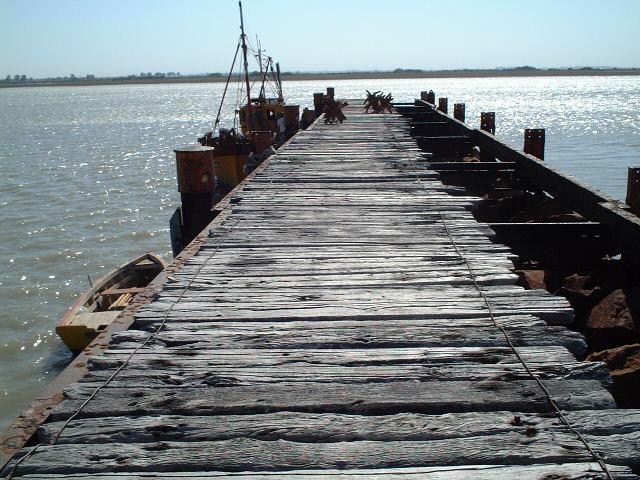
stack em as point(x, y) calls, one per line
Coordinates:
point(346, 320)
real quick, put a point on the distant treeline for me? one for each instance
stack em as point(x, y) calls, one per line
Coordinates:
point(167, 77)
point(89, 77)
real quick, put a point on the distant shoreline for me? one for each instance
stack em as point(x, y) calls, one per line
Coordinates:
point(340, 76)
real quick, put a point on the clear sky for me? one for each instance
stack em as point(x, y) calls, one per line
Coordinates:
point(116, 37)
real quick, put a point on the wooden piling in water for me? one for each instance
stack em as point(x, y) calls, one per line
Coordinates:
point(431, 97)
point(633, 189)
point(534, 139)
point(488, 122)
point(331, 93)
point(443, 105)
point(459, 111)
point(318, 103)
point(428, 96)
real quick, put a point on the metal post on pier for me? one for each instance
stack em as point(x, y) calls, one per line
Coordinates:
point(318, 103)
point(431, 97)
point(488, 122)
point(331, 92)
point(428, 97)
point(534, 142)
point(443, 105)
point(196, 183)
point(633, 190)
point(459, 111)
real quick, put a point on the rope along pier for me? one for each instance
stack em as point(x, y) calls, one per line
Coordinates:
point(338, 332)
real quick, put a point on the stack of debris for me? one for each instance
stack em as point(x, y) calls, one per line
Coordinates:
point(377, 102)
point(333, 110)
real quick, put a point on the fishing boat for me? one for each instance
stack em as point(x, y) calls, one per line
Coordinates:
point(95, 309)
point(255, 126)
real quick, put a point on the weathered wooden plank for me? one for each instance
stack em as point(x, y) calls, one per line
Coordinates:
point(358, 357)
point(568, 471)
point(379, 334)
point(243, 454)
point(372, 398)
point(309, 427)
point(552, 315)
point(167, 373)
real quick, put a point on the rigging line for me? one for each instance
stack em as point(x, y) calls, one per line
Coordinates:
point(226, 86)
point(264, 77)
point(513, 348)
point(271, 86)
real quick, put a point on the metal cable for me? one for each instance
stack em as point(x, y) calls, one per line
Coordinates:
point(481, 293)
point(226, 86)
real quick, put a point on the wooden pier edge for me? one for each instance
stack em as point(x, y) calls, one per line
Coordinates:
point(584, 199)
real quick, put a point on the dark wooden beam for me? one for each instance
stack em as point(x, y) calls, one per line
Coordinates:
point(562, 229)
point(439, 123)
point(472, 166)
point(443, 138)
point(586, 200)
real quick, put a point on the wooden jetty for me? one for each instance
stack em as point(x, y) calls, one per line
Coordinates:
point(345, 317)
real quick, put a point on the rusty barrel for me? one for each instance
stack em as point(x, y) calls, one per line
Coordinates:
point(196, 183)
point(291, 119)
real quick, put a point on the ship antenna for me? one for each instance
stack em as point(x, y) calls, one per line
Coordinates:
point(243, 37)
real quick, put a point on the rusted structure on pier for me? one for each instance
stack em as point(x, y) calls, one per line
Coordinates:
point(345, 316)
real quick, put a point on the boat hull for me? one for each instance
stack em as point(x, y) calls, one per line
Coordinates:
point(99, 306)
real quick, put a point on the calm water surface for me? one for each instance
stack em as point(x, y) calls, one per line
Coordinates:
point(87, 179)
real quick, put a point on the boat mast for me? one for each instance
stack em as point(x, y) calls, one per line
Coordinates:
point(259, 53)
point(243, 37)
point(279, 82)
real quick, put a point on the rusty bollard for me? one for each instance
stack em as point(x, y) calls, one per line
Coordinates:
point(459, 111)
point(534, 142)
point(428, 97)
point(431, 97)
point(318, 104)
point(488, 122)
point(633, 189)
point(196, 182)
point(443, 105)
point(331, 92)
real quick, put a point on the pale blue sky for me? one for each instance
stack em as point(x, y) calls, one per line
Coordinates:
point(116, 37)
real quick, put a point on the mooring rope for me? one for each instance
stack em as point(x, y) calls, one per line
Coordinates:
point(139, 347)
point(513, 348)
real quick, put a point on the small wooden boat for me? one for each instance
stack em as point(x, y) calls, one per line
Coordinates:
point(95, 309)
